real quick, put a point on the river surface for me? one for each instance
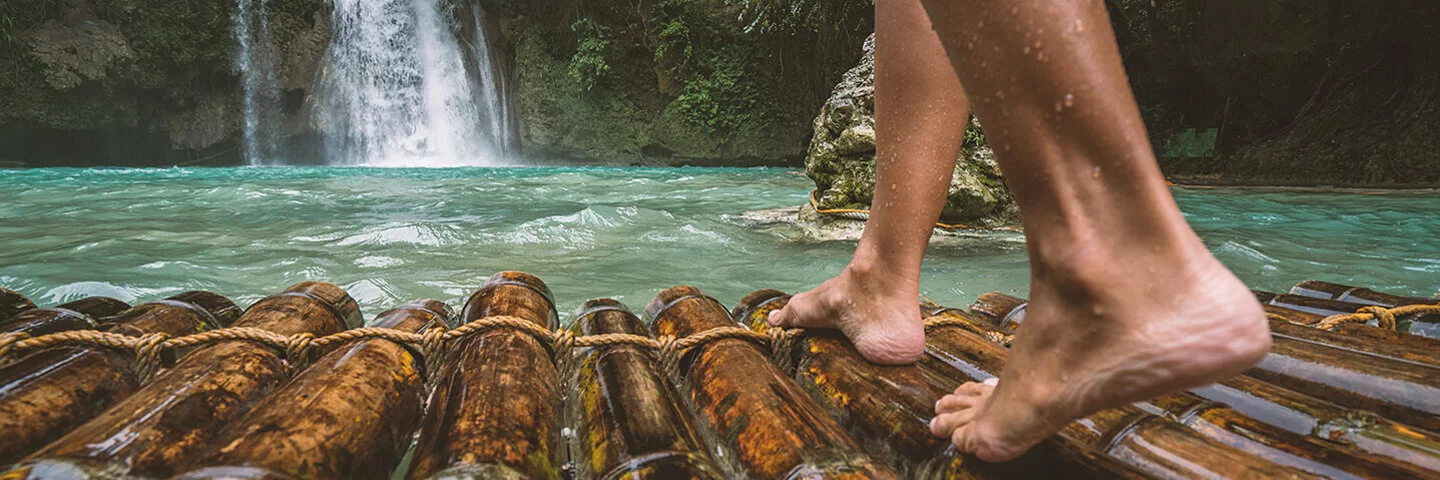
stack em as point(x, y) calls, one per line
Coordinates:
point(392, 235)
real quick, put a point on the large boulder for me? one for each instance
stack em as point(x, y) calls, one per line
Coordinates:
point(841, 158)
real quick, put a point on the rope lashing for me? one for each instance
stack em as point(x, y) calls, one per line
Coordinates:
point(431, 343)
point(863, 215)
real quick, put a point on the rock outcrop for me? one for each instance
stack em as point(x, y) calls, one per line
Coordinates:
point(841, 158)
point(139, 82)
point(669, 82)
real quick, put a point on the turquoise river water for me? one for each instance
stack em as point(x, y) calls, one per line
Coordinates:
point(391, 235)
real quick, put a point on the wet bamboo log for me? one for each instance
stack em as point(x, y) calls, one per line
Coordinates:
point(1004, 311)
point(1144, 440)
point(1402, 390)
point(351, 414)
point(1365, 296)
point(495, 412)
point(12, 303)
point(1365, 338)
point(46, 394)
point(165, 425)
point(631, 422)
point(1305, 452)
point(1303, 415)
point(1418, 324)
point(761, 418)
point(83, 314)
point(888, 408)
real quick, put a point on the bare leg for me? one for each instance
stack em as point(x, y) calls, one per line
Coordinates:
point(1126, 303)
point(920, 116)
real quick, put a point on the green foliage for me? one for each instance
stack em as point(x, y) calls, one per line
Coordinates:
point(589, 63)
point(7, 25)
point(788, 16)
point(974, 134)
point(724, 100)
point(715, 61)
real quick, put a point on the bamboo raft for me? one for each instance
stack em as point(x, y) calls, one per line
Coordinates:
point(296, 386)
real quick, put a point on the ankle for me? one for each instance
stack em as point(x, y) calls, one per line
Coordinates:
point(875, 276)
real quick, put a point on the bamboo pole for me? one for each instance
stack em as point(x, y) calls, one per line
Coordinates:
point(761, 419)
point(1365, 296)
point(629, 419)
point(351, 414)
point(163, 426)
point(888, 408)
point(52, 391)
point(83, 314)
point(1004, 310)
point(12, 303)
point(1365, 338)
point(495, 412)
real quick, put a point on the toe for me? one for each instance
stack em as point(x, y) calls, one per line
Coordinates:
point(973, 389)
point(953, 403)
point(944, 425)
point(802, 311)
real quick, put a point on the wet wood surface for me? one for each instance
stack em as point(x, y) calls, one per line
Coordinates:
point(763, 419)
point(351, 414)
point(1305, 452)
point(1417, 324)
point(1144, 440)
point(1354, 336)
point(1347, 293)
point(164, 426)
point(496, 410)
point(1404, 391)
point(630, 421)
point(1301, 414)
point(50, 392)
point(888, 408)
point(1006, 311)
point(12, 303)
point(83, 314)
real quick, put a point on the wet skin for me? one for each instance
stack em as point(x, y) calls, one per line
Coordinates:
point(1046, 81)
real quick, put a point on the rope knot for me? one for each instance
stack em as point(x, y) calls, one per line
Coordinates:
point(1384, 316)
point(432, 343)
point(297, 345)
point(149, 352)
point(563, 344)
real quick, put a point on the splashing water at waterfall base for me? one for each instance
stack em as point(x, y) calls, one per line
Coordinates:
point(408, 83)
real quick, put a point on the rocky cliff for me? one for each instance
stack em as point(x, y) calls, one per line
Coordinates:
point(135, 82)
point(672, 81)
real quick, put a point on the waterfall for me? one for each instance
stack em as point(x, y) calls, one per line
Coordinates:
point(260, 97)
point(403, 83)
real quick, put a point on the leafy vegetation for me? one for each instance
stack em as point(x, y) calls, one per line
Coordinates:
point(715, 62)
point(589, 63)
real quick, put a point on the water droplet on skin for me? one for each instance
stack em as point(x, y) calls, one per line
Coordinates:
point(1059, 106)
point(1095, 171)
point(1027, 50)
point(1069, 99)
point(1079, 26)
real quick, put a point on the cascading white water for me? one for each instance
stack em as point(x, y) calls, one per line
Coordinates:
point(260, 96)
point(398, 87)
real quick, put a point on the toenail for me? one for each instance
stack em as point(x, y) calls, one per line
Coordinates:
point(771, 318)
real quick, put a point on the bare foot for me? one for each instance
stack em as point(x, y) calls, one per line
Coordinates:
point(879, 313)
point(1104, 337)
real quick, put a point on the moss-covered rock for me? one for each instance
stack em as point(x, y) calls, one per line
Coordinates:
point(841, 158)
